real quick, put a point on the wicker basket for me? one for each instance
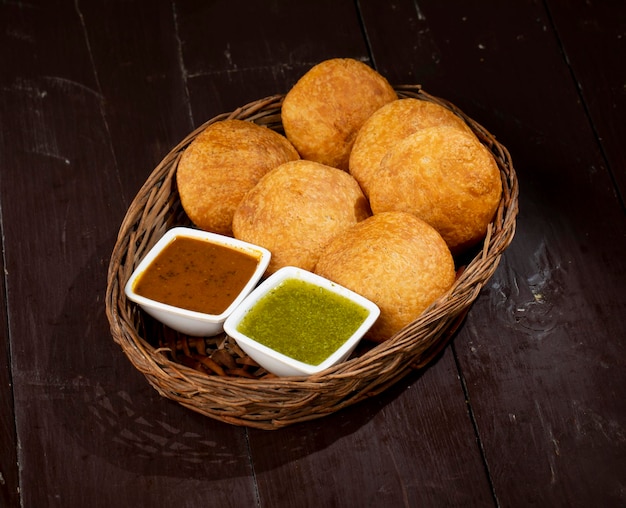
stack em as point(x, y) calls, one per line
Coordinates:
point(269, 402)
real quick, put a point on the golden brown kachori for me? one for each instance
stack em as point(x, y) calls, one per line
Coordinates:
point(221, 164)
point(296, 209)
point(390, 124)
point(446, 177)
point(394, 259)
point(324, 110)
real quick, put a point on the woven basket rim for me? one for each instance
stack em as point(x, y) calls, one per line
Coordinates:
point(265, 403)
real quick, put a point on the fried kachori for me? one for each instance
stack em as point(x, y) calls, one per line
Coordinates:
point(296, 209)
point(223, 163)
point(446, 177)
point(390, 124)
point(394, 259)
point(325, 109)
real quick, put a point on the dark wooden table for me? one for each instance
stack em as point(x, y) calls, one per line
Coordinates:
point(525, 407)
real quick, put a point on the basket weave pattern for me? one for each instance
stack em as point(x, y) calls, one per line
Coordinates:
point(271, 402)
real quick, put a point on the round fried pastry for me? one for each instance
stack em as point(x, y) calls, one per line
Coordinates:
point(390, 124)
point(444, 176)
point(394, 259)
point(324, 110)
point(221, 164)
point(296, 209)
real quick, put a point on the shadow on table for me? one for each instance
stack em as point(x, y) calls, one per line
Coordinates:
point(110, 409)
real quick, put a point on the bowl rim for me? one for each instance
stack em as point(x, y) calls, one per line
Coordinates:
point(269, 402)
point(264, 257)
point(275, 280)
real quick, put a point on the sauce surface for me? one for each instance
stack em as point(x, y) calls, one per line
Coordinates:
point(196, 274)
point(302, 321)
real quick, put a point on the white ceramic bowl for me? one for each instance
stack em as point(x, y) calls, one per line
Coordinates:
point(281, 364)
point(188, 321)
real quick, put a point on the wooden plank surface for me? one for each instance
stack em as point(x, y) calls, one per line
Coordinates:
point(85, 418)
point(548, 296)
point(392, 451)
point(593, 37)
point(526, 407)
point(262, 50)
point(9, 495)
point(534, 404)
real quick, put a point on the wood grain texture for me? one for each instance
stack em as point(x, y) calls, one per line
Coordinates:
point(79, 405)
point(549, 295)
point(525, 408)
point(240, 59)
point(135, 53)
point(593, 40)
point(532, 403)
point(400, 449)
point(9, 481)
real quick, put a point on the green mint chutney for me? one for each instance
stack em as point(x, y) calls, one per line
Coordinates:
point(303, 321)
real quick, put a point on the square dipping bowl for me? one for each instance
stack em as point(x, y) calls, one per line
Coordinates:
point(217, 288)
point(298, 323)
